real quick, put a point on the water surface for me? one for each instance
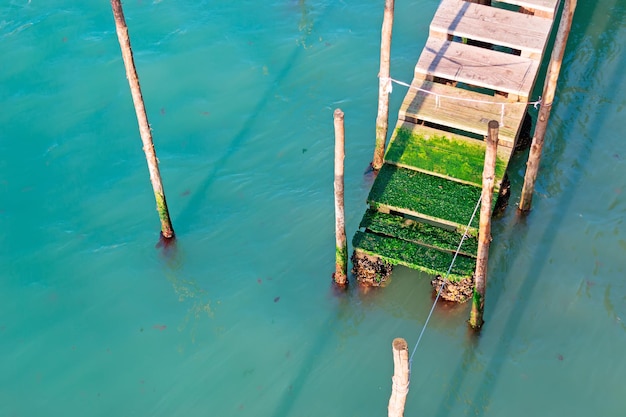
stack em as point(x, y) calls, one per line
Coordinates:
point(239, 318)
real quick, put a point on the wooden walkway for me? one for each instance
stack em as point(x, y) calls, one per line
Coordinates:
point(480, 63)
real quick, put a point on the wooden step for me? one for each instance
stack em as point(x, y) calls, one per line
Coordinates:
point(444, 154)
point(401, 227)
point(510, 29)
point(414, 256)
point(476, 66)
point(462, 109)
point(434, 200)
point(544, 8)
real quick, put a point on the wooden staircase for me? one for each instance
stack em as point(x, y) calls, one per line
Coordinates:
point(480, 63)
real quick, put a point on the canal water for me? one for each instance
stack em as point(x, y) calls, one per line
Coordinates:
point(239, 318)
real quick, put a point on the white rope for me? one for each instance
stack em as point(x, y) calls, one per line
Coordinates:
point(445, 279)
point(437, 96)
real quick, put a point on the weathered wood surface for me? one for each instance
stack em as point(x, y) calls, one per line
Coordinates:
point(384, 84)
point(484, 229)
point(524, 32)
point(545, 8)
point(454, 109)
point(476, 66)
point(341, 244)
point(549, 90)
point(400, 386)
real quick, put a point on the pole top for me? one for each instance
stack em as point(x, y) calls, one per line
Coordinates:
point(400, 344)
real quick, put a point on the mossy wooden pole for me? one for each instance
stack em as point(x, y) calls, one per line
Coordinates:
point(384, 87)
point(341, 245)
point(549, 88)
point(484, 227)
point(144, 128)
point(400, 379)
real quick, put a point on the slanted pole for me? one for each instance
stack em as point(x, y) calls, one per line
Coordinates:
point(400, 379)
point(384, 87)
point(341, 245)
point(144, 128)
point(484, 227)
point(549, 88)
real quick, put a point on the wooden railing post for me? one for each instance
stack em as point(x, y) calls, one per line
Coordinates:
point(341, 246)
point(384, 87)
point(484, 227)
point(144, 128)
point(400, 379)
point(549, 88)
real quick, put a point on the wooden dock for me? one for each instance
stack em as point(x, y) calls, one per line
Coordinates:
point(480, 63)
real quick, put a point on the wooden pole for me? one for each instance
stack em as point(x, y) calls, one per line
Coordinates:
point(384, 87)
point(549, 88)
point(484, 227)
point(144, 128)
point(400, 379)
point(341, 246)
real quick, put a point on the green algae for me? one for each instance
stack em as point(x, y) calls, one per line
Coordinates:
point(425, 194)
point(164, 215)
point(418, 232)
point(476, 314)
point(444, 155)
point(341, 262)
point(422, 258)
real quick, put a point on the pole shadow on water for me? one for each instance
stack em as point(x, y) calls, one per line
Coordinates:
point(241, 137)
point(540, 257)
point(346, 316)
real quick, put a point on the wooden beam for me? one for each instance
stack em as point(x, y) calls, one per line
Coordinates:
point(534, 157)
point(479, 67)
point(523, 32)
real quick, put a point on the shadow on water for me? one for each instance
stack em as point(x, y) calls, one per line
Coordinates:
point(345, 319)
point(540, 257)
point(305, 25)
point(468, 359)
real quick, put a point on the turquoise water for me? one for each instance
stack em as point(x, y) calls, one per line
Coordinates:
point(239, 318)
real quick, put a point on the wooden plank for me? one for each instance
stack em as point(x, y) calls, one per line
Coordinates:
point(444, 154)
point(506, 28)
point(476, 66)
point(453, 107)
point(414, 256)
point(424, 234)
point(434, 199)
point(545, 8)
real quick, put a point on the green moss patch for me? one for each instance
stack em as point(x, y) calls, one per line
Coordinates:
point(441, 154)
point(417, 232)
point(425, 194)
point(412, 255)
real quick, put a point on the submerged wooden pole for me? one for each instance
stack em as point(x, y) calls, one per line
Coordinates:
point(484, 227)
point(384, 87)
point(144, 128)
point(400, 379)
point(341, 246)
point(549, 88)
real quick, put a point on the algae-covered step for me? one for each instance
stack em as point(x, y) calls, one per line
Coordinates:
point(444, 154)
point(434, 199)
point(418, 232)
point(414, 256)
